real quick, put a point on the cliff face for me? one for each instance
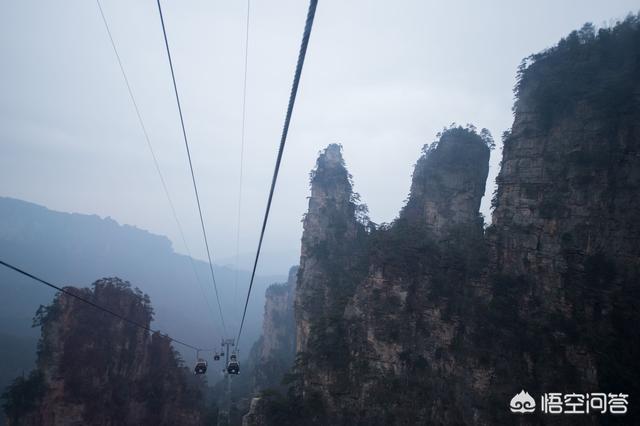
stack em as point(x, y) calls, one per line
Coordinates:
point(332, 263)
point(565, 236)
point(381, 320)
point(411, 315)
point(449, 182)
point(94, 369)
point(431, 319)
point(273, 355)
point(333, 242)
point(276, 349)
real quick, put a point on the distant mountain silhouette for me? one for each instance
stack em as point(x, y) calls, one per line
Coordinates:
point(77, 249)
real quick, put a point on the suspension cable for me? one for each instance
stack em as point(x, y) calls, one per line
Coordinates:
point(95, 305)
point(292, 99)
point(242, 134)
point(155, 159)
point(193, 177)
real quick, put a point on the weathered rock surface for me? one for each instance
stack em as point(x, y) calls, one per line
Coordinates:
point(272, 356)
point(433, 320)
point(565, 236)
point(449, 182)
point(381, 319)
point(276, 349)
point(94, 369)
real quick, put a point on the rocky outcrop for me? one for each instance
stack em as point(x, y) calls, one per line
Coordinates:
point(379, 333)
point(332, 263)
point(431, 319)
point(272, 356)
point(329, 226)
point(449, 182)
point(276, 349)
point(333, 233)
point(360, 289)
point(565, 236)
point(94, 369)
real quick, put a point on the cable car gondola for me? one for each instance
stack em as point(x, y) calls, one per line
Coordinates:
point(233, 367)
point(200, 368)
point(201, 365)
point(216, 357)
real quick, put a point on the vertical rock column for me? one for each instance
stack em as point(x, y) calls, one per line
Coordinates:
point(331, 265)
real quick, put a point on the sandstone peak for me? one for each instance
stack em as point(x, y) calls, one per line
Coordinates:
point(449, 180)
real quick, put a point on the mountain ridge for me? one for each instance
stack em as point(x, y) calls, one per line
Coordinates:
point(72, 249)
point(432, 319)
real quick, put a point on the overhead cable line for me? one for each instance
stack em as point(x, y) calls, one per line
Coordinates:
point(292, 99)
point(95, 305)
point(193, 177)
point(242, 134)
point(153, 155)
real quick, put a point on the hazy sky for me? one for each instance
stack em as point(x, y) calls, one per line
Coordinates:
point(381, 77)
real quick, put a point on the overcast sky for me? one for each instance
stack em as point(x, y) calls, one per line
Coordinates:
point(381, 78)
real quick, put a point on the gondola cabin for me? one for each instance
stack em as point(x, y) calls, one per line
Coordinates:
point(233, 367)
point(200, 368)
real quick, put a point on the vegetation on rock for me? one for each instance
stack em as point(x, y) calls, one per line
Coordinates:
point(99, 370)
point(432, 319)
